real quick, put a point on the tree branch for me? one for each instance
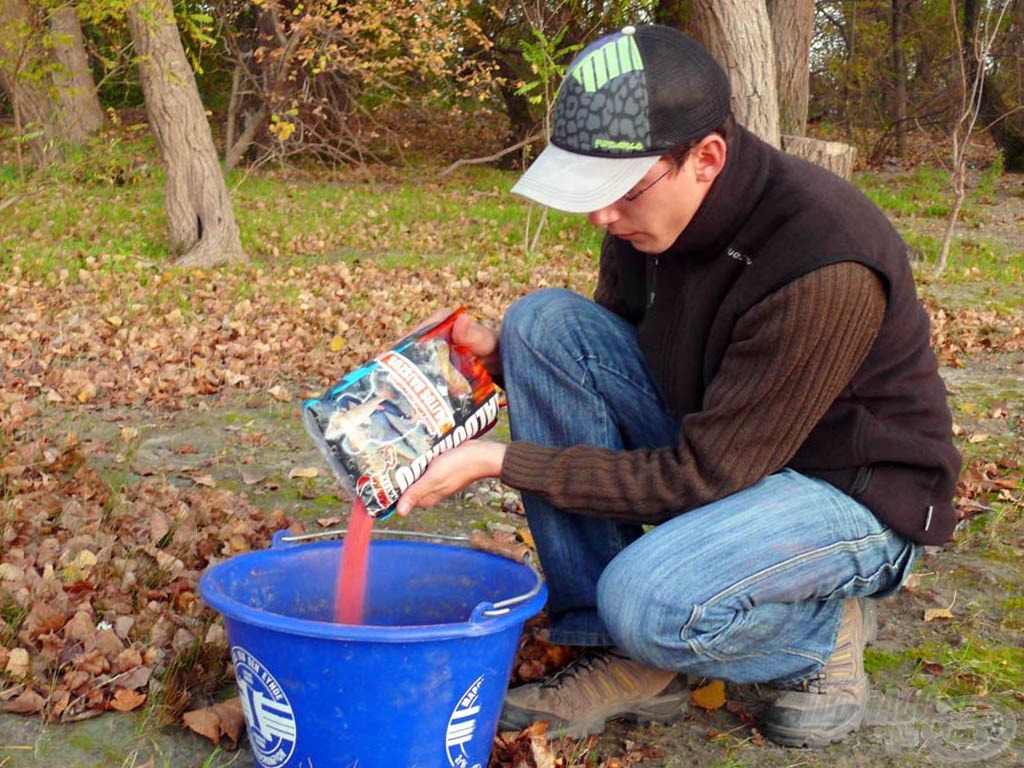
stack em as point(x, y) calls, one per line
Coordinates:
point(491, 158)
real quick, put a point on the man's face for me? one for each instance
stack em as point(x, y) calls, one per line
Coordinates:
point(669, 197)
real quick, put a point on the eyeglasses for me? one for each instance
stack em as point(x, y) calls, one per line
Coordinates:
point(629, 197)
point(675, 158)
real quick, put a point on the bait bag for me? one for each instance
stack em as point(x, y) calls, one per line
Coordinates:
point(380, 425)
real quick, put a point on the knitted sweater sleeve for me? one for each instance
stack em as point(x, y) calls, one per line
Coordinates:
point(788, 358)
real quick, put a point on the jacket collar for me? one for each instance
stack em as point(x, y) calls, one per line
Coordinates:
point(731, 199)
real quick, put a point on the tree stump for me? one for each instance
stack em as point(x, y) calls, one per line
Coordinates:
point(833, 155)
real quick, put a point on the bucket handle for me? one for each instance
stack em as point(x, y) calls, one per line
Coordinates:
point(483, 610)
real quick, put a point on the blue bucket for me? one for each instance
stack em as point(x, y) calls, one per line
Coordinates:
point(419, 685)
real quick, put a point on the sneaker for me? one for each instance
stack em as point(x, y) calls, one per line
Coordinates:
point(596, 687)
point(832, 705)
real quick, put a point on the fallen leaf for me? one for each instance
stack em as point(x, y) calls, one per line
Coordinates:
point(158, 526)
point(542, 755)
point(710, 696)
point(280, 394)
point(223, 719)
point(17, 663)
point(303, 472)
point(86, 393)
point(526, 537)
point(934, 614)
point(739, 710)
point(28, 703)
point(126, 700)
point(43, 619)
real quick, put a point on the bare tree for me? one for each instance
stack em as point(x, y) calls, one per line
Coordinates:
point(750, 39)
point(1004, 120)
point(975, 48)
point(738, 33)
point(792, 23)
point(200, 220)
point(900, 8)
point(22, 77)
point(80, 113)
point(53, 97)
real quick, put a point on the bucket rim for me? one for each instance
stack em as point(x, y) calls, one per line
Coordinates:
point(475, 626)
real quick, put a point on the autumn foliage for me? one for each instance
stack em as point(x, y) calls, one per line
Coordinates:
point(99, 599)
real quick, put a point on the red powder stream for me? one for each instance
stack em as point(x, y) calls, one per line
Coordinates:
point(351, 587)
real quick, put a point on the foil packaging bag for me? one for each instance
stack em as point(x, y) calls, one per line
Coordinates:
point(380, 425)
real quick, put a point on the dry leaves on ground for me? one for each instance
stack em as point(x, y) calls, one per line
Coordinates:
point(99, 608)
point(98, 585)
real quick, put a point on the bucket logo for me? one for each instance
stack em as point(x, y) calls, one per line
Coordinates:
point(268, 713)
point(462, 726)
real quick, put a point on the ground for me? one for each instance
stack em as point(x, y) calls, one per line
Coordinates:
point(945, 668)
point(905, 729)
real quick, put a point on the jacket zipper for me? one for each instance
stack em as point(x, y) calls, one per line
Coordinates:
point(652, 281)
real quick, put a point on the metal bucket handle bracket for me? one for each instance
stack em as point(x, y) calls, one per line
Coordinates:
point(483, 610)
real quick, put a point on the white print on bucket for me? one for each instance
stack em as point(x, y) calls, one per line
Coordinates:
point(462, 726)
point(268, 713)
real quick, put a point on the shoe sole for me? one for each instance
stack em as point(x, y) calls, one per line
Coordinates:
point(811, 737)
point(809, 740)
point(665, 709)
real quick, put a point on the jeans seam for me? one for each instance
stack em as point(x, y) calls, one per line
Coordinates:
point(805, 557)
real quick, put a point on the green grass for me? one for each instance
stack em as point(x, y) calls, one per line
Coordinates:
point(58, 229)
point(972, 668)
point(923, 192)
point(106, 204)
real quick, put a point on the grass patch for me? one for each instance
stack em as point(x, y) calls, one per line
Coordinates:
point(924, 192)
point(970, 669)
point(11, 617)
point(105, 210)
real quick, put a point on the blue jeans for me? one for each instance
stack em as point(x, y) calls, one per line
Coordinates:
point(748, 588)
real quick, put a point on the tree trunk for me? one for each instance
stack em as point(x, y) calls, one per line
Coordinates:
point(899, 77)
point(200, 219)
point(792, 23)
point(1005, 124)
point(738, 34)
point(80, 113)
point(22, 77)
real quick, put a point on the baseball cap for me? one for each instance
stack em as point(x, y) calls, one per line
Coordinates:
point(626, 100)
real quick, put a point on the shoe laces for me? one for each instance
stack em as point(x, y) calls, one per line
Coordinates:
point(590, 660)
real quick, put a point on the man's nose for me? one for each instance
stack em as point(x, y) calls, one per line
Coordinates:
point(602, 217)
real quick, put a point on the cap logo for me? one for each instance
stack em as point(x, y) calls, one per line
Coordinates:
point(625, 146)
point(618, 56)
point(602, 104)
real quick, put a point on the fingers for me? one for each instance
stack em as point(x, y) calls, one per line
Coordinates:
point(478, 338)
point(452, 471)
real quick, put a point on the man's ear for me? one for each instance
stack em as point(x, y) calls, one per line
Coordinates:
point(710, 157)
